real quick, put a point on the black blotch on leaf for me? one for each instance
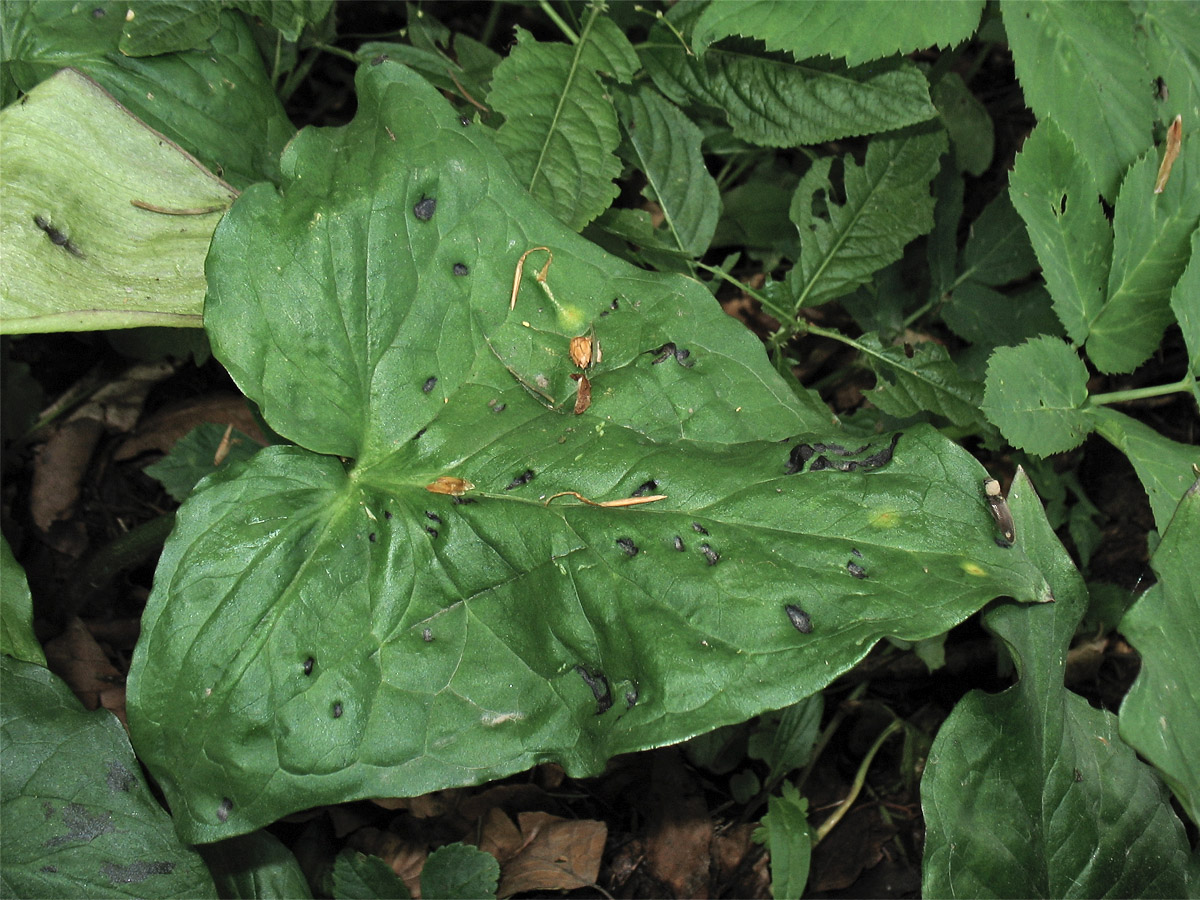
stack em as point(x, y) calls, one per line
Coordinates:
point(433, 517)
point(600, 690)
point(800, 620)
point(380, 58)
point(371, 537)
point(667, 350)
point(464, 121)
point(630, 548)
point(908, 350)
point(460, 269)
point(429, 384)
point(432, 531)
point(856, 570)
point(644, 488)
point(120, 778)
point(462, 501)
point(99, 13)
point(524, 478)
point(710, 554)
point(631, 697)
point(418, 434)
point(425, 208)
point(387, 515)
point(308, 665)
point(499, 407)
point(1078, 776)
point(337, 710)
point(136, 872)
point(58, 238)
point(855, 552)
point(874, 461)
point(678, 542)
point(698, 528)
point(224, 808)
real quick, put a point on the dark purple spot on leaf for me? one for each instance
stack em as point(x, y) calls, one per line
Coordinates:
point(120, 778)
point(433, 532)
point(644, 488)
point(380, 58)
point(135, 872)
point(371, 537)
point(460, 269)
point(855, 552)
point(499, 407)
point(99, 13)
point(600, 690)
point(57, 237)
point(800, 620)
point(83, 825)
point(698, 528)
point(337, 710)
point(678, 542)
point(710, 554)
point(308, 665)
point(522, 479)
point(464, 121)
point(630, 548)
point(433, 517)
point(631, 697)
point(224, 808)
point(429, 384)
point(424, 208)
point(462, 501)
point(387, 515)
point(1078, 776)
point(418, 434)
point(856, 570)
point(427, 635)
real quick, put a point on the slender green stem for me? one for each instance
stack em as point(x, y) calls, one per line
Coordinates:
point(1183, 385)
point(559, 21)
point(777, 311)
point(827, 735)
point(860, 778)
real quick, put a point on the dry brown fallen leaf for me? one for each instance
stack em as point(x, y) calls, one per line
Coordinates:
point(406, 858)
point(162, 429)
point(542, 852)
point(680, 832)
point(76, 658)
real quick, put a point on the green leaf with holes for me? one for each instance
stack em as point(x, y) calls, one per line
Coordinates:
point(325, 626)
point(1021, 770)
point(78, 817)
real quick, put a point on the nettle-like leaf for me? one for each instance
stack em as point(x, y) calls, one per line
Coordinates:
point(78, 818)
point(775, 102)
point(1077, 65)
point(216, 103)
point(857, 30)
point(1160, 715)
point(560, 130)
point(887, 204)
point(1151, 248)
point(327, 627)
point(1056, 804)
point(666, 147)
point(1034, 394)
point(79, 254)
point(921, 378)
point(1055, 193)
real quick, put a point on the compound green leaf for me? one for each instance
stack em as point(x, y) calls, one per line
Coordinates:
point(1034, 394)
point(326, 627)
point(1151, 248)
point(78, 818)
point(921, 378)
point(216, 103)
point(560, 130)
point(781, 103)
point(666, 147)
point(858, 30)
point(1164, 466)
point(1055, 193)
point(1160, 716)
point(887, 204)
point(78, 255)
point(1078, 65)
point(1055, 803)
point(16, 611)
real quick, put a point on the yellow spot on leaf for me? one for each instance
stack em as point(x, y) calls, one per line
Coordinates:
point(885, 518)
point(973, 568)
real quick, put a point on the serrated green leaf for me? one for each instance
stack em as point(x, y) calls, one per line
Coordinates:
point(1172, 51)
point(1160, 716)
point(859, 30)
point(1164, 466)
point(360, 876)
point(560, 130)
point(1078, 65)
point(16, 611)
point(780, 103)
point(77, 816)
point(1151, 248)
point(1185, 304)
point(307, 604)
point(192, 458)
point(1034, 394)
point(666, 147)
point(1054, 801)
point(459, 870)
point(989, 319)
point(887, 205)
point(998, 249)
point(1055, 193)
point(255, 866)
point(78, 255)
point(167, 27)
point(789, 841)
point(928, 380)
point(967, 122)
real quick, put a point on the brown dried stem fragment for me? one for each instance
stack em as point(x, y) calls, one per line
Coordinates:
point(1174, 143)
point(520, 270)
point(624, 501)
point(184, 211)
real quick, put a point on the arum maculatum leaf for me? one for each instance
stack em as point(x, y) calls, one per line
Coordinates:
point(395, 604)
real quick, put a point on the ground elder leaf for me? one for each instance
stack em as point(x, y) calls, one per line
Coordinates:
point(1034, 394)
point(857, 30)
point(560, 130)
point(1077, 65)
point(887, 204)
point(322, 593)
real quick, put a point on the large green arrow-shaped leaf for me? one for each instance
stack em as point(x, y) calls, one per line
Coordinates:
point(325, 627)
